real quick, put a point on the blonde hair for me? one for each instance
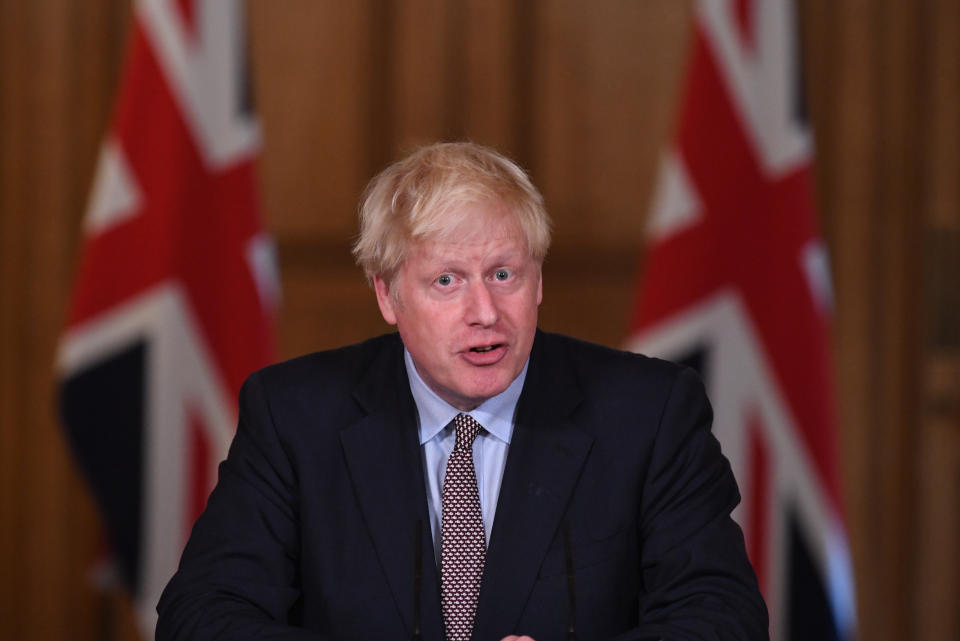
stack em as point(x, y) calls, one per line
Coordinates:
point(423, 195)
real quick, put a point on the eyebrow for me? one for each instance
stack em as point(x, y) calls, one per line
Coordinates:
point(454, 264)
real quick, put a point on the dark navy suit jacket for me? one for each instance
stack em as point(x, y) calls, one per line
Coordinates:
point(311, 530)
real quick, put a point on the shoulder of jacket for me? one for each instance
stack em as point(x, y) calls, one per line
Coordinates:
point(600, 358)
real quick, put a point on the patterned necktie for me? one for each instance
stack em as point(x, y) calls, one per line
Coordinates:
point(462, 542)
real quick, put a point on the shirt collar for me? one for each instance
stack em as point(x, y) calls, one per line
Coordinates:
point(495, 414)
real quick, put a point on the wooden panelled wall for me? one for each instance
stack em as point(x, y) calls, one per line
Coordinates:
point(583, 95)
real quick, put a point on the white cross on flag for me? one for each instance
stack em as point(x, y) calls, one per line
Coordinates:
point(176, 290)
point(736, 284)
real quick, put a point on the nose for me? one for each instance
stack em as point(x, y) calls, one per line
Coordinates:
point(481, 306)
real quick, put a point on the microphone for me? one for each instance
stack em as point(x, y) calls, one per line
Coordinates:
point(571, 584)
point(417, 580)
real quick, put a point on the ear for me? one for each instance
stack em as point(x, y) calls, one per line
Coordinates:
point(539, 288)
point(384, 300)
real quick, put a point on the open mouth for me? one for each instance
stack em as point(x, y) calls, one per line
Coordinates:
point(485, 348)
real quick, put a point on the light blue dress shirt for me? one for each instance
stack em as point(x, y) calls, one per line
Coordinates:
point(437, 438)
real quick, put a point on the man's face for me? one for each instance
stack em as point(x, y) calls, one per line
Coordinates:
point(466, 307)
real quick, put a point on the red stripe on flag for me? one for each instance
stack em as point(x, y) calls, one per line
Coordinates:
point(188, 12)
point(744, 11)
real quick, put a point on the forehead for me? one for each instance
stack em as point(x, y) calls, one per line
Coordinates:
point(475, 228)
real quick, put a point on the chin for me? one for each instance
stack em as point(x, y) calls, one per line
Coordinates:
point(482, 392)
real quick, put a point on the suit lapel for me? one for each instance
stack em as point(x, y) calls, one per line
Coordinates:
point(546, 454)
point(382, 451)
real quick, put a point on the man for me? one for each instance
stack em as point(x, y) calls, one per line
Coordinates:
point(471, 477)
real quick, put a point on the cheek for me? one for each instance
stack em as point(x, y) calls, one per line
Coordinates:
point(428, 325)
point(525, 309)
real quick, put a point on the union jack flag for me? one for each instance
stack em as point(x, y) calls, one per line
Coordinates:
point(736, 283)
point(176, 290)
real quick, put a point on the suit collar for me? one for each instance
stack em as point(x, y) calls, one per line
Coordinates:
point(383, 457)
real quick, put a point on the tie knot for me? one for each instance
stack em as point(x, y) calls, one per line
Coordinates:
point(467, 430)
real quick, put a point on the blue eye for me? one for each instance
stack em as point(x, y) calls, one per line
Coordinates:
point(445, 280)
point(501, 274)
